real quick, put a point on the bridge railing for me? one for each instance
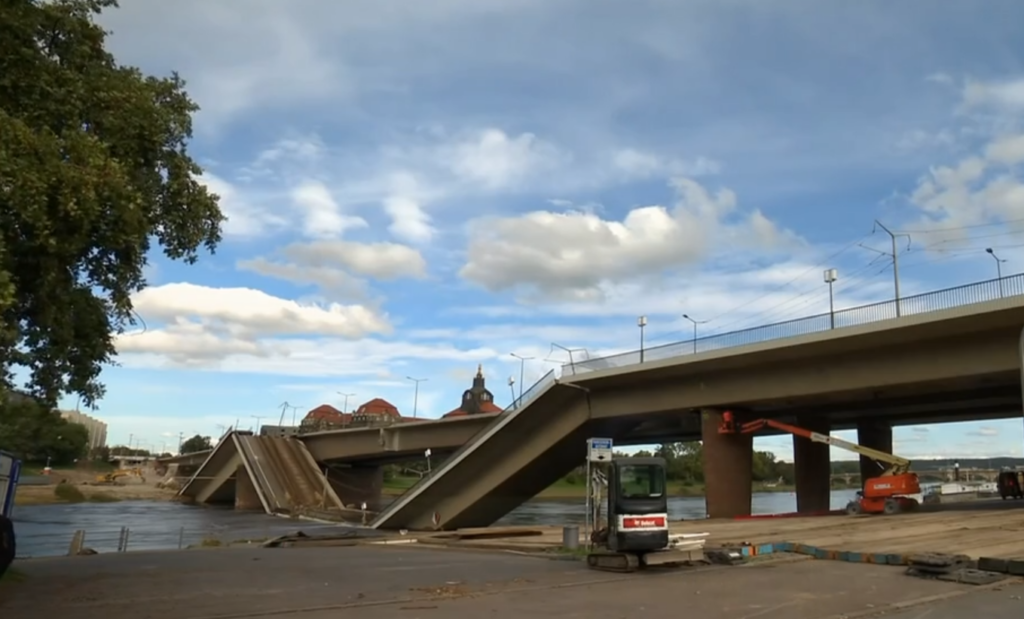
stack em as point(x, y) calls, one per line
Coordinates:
point(948, 298)
point(523, 400)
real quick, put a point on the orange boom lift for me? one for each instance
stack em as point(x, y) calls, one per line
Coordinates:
point(886, 494)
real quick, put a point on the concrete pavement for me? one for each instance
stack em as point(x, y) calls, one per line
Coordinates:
point(387, 582)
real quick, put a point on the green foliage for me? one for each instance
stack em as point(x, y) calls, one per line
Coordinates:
point(93, 169)
point(196, 443)
point(685, 465)
point(124, 450)
point(35, 433)
point(68, 493)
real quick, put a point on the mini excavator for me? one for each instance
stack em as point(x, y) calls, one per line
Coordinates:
point(889, 493)
point(637, 515)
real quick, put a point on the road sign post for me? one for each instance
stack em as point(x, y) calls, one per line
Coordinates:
point(599, 451)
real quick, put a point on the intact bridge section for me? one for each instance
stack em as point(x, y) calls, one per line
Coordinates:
point(944, 356)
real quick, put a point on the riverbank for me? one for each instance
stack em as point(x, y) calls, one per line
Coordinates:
point(280, 583)
point(72, 486)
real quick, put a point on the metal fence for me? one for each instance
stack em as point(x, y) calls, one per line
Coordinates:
point(948, 298)
point(124, 539)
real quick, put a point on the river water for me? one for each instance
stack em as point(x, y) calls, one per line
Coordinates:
point(46, 530)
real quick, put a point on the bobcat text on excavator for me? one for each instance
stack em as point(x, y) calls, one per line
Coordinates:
point(889, 493)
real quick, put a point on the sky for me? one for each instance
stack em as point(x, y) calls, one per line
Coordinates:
point(416, 188)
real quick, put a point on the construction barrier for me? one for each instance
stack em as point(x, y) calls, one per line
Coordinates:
point(753, 550)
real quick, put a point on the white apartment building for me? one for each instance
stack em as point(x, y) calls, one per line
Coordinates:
point(97, 429)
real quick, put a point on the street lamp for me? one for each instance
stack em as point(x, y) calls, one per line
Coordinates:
point(695, 323)
point(416, 394)
point(344, 407)
point(999, 268)
point(522, 368)
point(831, 275)
point(512, 388)
point(641, 322)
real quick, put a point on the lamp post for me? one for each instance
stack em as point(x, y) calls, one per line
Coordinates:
point(695, 323)
point(522, 369)
point(416, 394)
point(999, 268)
point(831, 275)
point(641, 322)
point(512, 388)
point(258, 419)
point(344, 407)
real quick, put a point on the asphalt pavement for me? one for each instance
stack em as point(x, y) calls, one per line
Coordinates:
point(388, 582)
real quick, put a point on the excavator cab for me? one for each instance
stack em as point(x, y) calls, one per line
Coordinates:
point(637, 505)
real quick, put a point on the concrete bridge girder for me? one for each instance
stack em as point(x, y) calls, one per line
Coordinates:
point(860, 375)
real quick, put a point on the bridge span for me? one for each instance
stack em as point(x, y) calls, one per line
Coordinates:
point(942, 356)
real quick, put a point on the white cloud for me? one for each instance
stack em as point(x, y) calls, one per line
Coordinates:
point(243, 218)
point(1005, 95)
point(404, 205)
point(336, 266)
point(495, 160)
point(1007, 150)
point(640, 164)
point(569, 254)
point(378, 260)
point(250, 312)
point(323, 216)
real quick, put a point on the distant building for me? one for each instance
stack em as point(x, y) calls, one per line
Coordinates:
point(96, 428)
point(477, 399)
point(374, 413)
point(278, 431)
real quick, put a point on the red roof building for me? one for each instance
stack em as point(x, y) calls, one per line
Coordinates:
point(377, 411)
point(475, 400)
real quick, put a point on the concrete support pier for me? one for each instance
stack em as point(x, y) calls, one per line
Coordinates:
point(812, 467)
point(358, 484)
point(728, 468)
point(246, 497)
point(876, 435)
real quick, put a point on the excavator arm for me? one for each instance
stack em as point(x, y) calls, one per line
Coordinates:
point(897, 465)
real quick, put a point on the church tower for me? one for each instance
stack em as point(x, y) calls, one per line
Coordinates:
point(477, 399)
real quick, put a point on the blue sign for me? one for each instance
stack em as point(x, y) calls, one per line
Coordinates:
point(600, 443)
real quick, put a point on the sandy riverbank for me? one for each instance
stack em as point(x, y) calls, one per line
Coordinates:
point(133, 489)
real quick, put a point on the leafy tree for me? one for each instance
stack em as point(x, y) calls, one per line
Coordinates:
point(37, 433)
point(196, 443)
point(124, 450)
point(93, 170)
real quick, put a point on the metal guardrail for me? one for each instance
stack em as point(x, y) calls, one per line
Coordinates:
point(523, 400)
point(125, 539)
point(959, 296)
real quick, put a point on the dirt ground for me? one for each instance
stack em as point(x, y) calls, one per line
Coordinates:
point(388, 582)
point(133, 489)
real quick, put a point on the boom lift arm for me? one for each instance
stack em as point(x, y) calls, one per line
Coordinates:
point(897, 465)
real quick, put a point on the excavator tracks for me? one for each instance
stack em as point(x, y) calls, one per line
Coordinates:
point(607, 561)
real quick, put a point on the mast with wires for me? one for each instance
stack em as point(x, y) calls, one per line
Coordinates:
point(895, 255)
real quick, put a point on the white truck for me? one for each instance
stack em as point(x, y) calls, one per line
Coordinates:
point(10, 468)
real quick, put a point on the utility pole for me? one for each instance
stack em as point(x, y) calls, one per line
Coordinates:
point(522, 370)
point(181, 439)
point(895, 259)
point(258, 418)
point(344, 407)
point(416, 394)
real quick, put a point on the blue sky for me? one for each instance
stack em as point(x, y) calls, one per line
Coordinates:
point(414, 188)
